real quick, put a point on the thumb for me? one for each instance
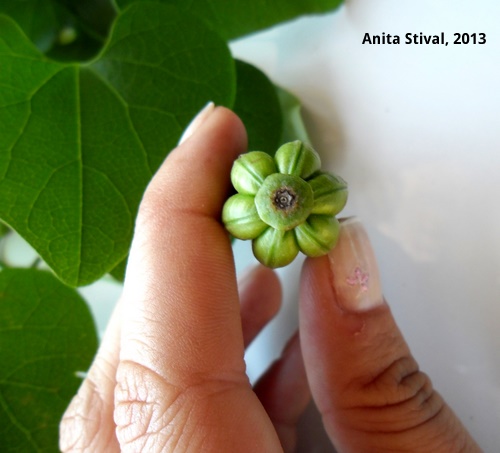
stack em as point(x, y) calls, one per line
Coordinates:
point(365, 382)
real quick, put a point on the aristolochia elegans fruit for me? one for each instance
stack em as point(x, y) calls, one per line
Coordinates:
point(284, 205)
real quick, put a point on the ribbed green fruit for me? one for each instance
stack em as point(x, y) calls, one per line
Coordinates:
point(284, 205)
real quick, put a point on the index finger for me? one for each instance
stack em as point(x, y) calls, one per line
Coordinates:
point(181, 313)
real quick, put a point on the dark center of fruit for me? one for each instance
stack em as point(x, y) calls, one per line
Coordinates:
point(284, 198)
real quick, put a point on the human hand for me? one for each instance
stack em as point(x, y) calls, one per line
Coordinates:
point(170, 374)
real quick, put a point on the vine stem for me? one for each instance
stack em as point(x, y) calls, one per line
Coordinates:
point(3, 264)
point(36, 262)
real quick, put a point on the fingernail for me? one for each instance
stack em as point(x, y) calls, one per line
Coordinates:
point(195, 123)
point(356, 280)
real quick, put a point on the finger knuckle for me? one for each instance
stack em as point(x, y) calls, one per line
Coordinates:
point(137, 410)
point(155, 414)
point(400, 381)
point(81, 425)
point(399, 398)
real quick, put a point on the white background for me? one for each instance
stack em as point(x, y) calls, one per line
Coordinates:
point(415, 130)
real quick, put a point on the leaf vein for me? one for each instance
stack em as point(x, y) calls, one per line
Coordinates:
point(15, 421)
point(129, 118)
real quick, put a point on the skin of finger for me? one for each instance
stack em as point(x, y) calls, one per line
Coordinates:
point(87, 424)
point(260, 300)
point(180, 292)
point(364, 380)
point(181, 379)
point(284, 392)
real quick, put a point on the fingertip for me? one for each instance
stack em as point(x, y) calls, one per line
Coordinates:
point(219, 120)
point(195, 123)
point(358, 344)
point(284, 392)
point(196, 174)
point(236, 130)
point(260, 275)
point(354, 270)
point(362, 375)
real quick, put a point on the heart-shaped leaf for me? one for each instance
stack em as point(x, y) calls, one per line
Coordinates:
point(47, 335)
point(235, 18)
point(79, 142)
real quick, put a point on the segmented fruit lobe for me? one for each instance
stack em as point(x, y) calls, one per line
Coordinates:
point(284, 205)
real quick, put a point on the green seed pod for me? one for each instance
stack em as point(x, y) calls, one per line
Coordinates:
point(241, 218)
point(284, 201)
point(330, 193)
point(275, 248)
point(318, 235)
point(250, 170)
point(284, 205)
point(297, 158)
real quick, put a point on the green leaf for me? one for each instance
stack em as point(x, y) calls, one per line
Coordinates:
point(73, 44)
point(233, 19)
point(95, 16)
point(293, 125)
point(82, 37)
point(50, 23)
point(118, 273)
point(80, 142)
point(47, 335)
point(40, 20)
point(4, 229)
point(258, 107)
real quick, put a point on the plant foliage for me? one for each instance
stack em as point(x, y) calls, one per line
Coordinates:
point(93, 96)
point(46, 335)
